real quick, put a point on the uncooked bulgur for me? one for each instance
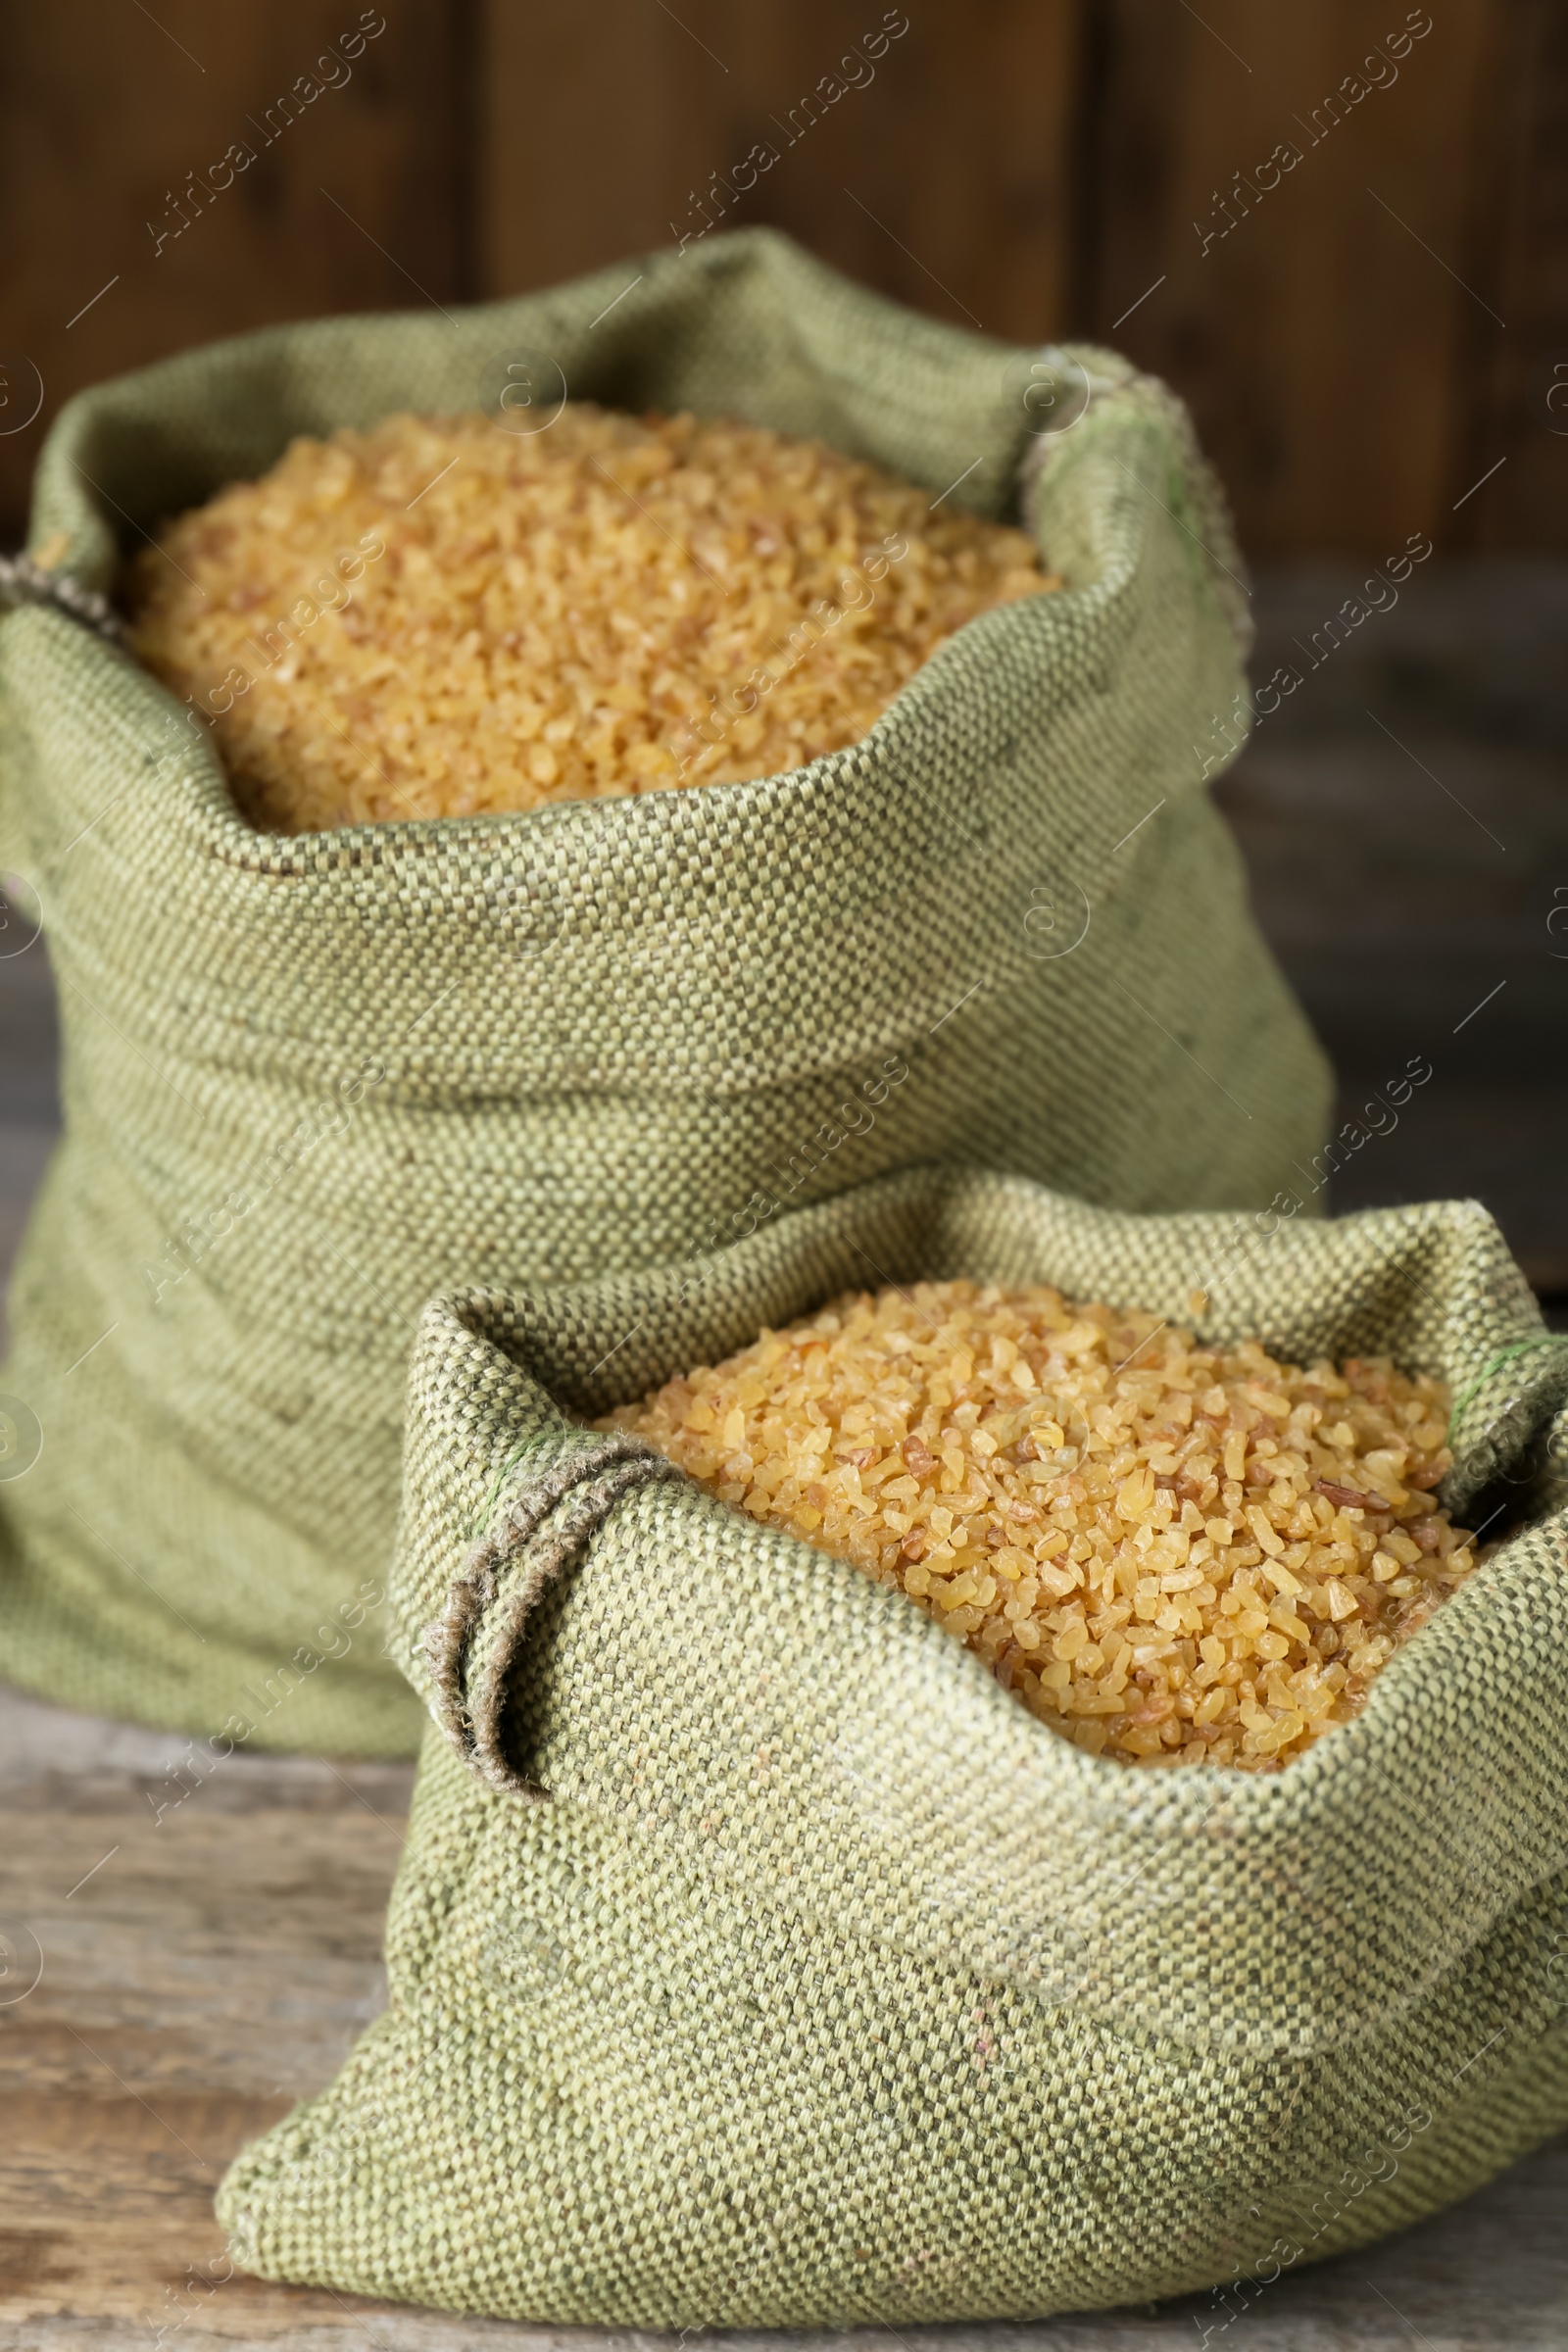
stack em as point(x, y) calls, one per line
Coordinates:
point(1174, 1551)
point(615, 605)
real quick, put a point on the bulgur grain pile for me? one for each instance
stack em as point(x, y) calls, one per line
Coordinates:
point(1173, 1552)
point(438, 616)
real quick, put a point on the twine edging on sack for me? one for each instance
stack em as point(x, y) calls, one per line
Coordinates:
point(24, 582)
point(502, 1581)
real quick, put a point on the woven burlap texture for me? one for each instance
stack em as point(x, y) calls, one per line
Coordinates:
point(826, 1984)
point(310, 1083)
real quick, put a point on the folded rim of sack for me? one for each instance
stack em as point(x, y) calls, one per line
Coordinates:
point(747, 323)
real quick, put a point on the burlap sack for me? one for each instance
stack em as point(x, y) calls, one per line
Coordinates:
point(824, 1984)
point(311, 1082)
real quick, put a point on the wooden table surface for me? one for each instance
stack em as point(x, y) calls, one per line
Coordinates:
point(204, 1963)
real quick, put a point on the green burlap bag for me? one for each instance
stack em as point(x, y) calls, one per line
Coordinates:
point(757, 1960)
point(309, 1083)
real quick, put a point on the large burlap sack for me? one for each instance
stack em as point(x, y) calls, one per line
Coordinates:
point(310, 1082)
point(757, 1960)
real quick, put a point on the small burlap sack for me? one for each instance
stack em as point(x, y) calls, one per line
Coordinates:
point(757, 1960)
point(311, 1082)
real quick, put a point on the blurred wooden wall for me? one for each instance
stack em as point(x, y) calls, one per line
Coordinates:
point(1365, 341)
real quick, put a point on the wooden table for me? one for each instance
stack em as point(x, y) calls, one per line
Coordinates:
point(201, 1962)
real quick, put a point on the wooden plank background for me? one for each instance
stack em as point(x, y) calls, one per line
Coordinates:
point(1374, 335)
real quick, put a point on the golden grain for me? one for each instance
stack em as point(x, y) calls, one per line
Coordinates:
point(616, 605)
point(1172, 1551)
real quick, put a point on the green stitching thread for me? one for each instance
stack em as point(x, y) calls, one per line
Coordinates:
point(482, 1521)
point(1504, 1356)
